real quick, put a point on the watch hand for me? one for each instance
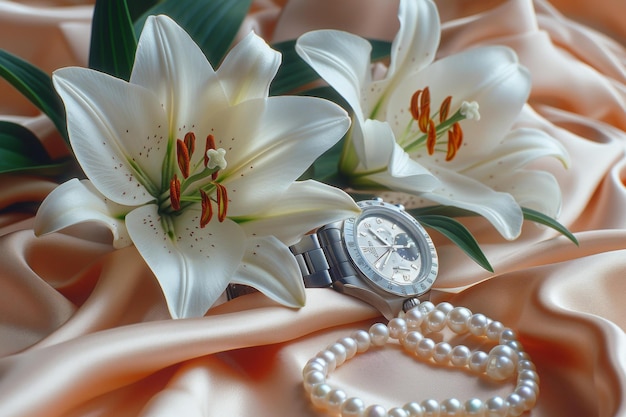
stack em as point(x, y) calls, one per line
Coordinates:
point(379, 237)
point(388, 253)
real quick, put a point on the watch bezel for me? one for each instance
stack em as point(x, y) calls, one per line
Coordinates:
point(428, 274)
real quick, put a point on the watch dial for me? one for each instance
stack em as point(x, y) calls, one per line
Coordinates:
point(390, 248)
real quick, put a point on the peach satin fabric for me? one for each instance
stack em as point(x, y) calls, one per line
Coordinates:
point(84, 330)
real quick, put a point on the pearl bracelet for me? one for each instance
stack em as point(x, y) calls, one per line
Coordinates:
point(500, 364)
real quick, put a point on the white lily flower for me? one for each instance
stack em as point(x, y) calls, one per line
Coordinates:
point(440, 154)
point(193, 166)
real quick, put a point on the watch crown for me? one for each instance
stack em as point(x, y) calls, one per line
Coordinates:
point(378, 199)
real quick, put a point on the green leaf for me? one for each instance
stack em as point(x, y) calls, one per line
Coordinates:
point(20, 150)
point(36, 86)
point(459, 235)
point(213, 24)
point(538, 217)
point(295, 73)
point(113, 42)
point(136, 8)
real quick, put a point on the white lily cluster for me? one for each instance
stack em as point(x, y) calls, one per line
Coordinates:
point(473, 159)
point(204, 214)
point(197, 168)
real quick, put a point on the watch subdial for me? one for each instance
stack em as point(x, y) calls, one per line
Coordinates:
point(406, 247)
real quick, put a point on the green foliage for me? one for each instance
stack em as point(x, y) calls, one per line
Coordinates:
point(113, 43)
point(459, 235)
point(21, 151)
point(212, 24)
point(35, 85)
point(538, 217)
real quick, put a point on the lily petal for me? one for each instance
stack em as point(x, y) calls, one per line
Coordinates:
point(417, 40)
point(272, 142)
point(341, 59)
point(270, 267)
point(518, 149)
point(491, 76)
point(75, 202)
point(304, 206)
point(538, 190)
point(118, 132)
point(170, 64)
point(248, 70)
point(405, 174)
point(499, 208)
point(193, 265)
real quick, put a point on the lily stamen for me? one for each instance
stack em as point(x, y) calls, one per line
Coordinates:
point(175, 193)
point(182, 155)
point(207, 209)
point(190, 142)
point(432, 132)
point(222, 202)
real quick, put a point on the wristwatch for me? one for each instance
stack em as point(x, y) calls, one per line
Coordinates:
point(383, 257)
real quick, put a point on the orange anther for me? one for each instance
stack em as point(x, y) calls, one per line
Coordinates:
point(183, 157)
point(190, 142)
point(222, 202)
point(175, 193)
point(210, 144)
point(431, 140)
point(444, 109)
point(207, 209)
point(415, 111)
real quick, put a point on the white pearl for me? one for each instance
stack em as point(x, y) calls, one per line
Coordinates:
point(445, 307)
point(528, 394)
point(478, 361)
point(431, 408)
point(496, 407)
point(397, 412)
point(426, 307)
point(494, 330)
point(523, 356)
point(436, 321)
point(330, 359)
point(362, 339)
point(397, 327)
point(527, 374)
point(458, 318)
point(319, 394)
point(523, 365)
point(375, 411)
point(425, 348)
point(451, 407)
point(504, 350)
point(474, 408)
point(414, 409)
point(334, 401)
point(499, 368)
point(315, 364)
point(350, 345)
point(414, 318)
point(379, 333)
point(352, 407)
point(514, 344)
point(460, 355)
point(442, 353)
point(410, 340)
point(312, 379)
point(530, 384)
point(507, 335)
point(477, 324)
point(516, 404)
point(340, 352)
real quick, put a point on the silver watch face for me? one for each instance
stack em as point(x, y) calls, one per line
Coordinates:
point(391, 249)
